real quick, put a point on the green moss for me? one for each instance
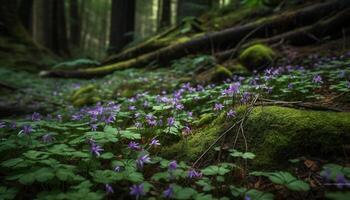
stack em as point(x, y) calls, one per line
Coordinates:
point(85, 96)
point(86, 100)
point(205, 119)
point(276, 134)
point(221, 73)
point(83, 90)
point(257, 57)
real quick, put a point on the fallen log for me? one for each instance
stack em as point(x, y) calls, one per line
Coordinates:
point(218, 40)
point(301, 36)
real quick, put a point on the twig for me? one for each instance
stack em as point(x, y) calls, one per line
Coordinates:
point(246, 113)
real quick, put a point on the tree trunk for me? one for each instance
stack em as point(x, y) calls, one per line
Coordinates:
point(50, 26)
point(122, 24)
point(26, 14)
point(75, 23)
point(223, 39)
point(165, 18)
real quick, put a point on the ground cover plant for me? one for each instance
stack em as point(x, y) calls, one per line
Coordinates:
point(263, 116)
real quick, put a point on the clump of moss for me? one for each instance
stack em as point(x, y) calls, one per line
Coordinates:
point(221, 73)
point(257, 57)
point(275, 134)
point(85, 96)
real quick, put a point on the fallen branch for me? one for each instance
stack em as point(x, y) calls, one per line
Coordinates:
point(219, 40)
point(301, 36)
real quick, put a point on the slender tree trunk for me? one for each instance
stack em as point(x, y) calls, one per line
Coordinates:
point(50, 25)
point(75, 23)
point(165, 17)
point(26, 14)
point(122, 24)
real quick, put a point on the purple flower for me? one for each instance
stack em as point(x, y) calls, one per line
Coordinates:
point(137, 191)
point(168, 192)
point(77, 117)
point(218, 107)
point(232, 89)
point(231, 113)
point(186, 131)
point(134, 146)
point(179, 106)
point(317, 79)
point(93, 127)
point(26, 129)
point(245, 97)
point(172, 165)
point(2, 125)
point(95, 149)
point(109, 189)
point(118, 168)
point(171, 121)
point(13, 125)
point(247, 197)
point(110, 119)
point(132, 108)
point(290, 86)
point(142, 160)
point(340, 181)
point(194, 174)
point(154, 142)
point(36, 116)
point(47, 138)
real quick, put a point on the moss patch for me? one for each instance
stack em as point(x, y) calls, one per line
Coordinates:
point(85, 96)
point(257, 57)
point(276, 134)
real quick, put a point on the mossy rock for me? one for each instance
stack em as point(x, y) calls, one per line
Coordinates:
point(77, 64)
point(221, 73)
point(276, 134)
point(83, 90)
point(85, 96)
point(86, 100)
point(257, 57)
point(205, 119)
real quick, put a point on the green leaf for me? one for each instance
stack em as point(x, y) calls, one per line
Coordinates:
point(7, 193)
point(183, 193)
point(286, 179)
point(246, 155)
point(44, 174)
point(106, 176)
point(107, 155)
point(337, 195)
point(215, 170)
point(12, 162)
point(128, 134)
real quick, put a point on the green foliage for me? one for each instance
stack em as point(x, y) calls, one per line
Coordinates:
point(286, 179)
point(251, 193)
point(246, 155)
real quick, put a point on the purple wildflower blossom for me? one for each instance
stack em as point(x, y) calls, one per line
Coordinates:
point(168, 192)
point(134, 146)
point(171, 121)
point(26, 129)
point(218, 107)
point(118, 168)
point(172, 165)
point(232, 89)
point(247, 197)
point(179, 106)
point(142, 160)
point(109, 189)
point(132, 108)
point(36, 116)
point(13, 125)
point(194, 174)
point(2, 125)
point(231, 113)
point(110, 119)
point(137, 191)
point(47, 138)
point(340, 181)
point(154, 142)
point(95, 149)
point(186, 131)
point(317, 79)
point(93, 127)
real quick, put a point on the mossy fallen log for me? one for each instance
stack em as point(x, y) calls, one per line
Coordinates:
point(218, 40)
point(275, 134)
point(301, 36)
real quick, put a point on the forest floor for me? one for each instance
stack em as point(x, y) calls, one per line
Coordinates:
point(194, 129)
